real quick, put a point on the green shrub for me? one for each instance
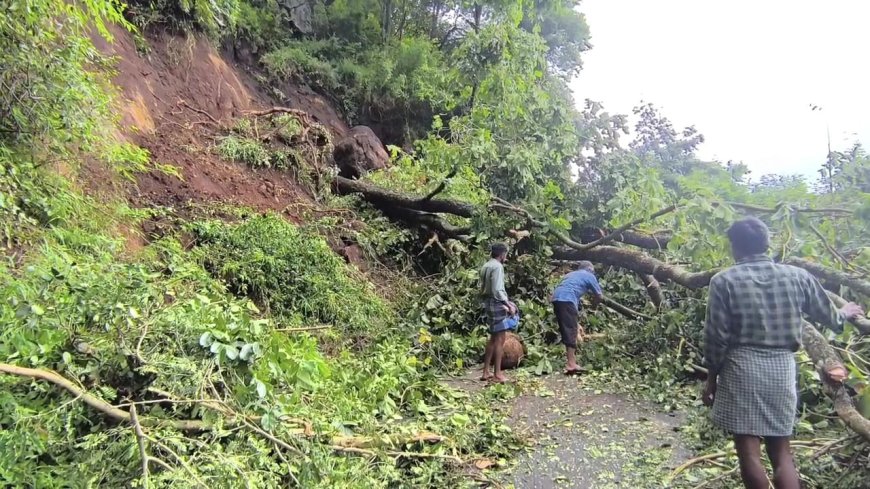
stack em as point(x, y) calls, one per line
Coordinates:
point(290, 272)
point(215, 17)
point(245, 150)
point(304, 61)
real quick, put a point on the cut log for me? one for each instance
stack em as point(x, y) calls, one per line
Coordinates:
point(653, 289)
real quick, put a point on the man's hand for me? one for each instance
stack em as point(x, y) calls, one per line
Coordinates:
point(837, 374)
point(851, 310)
point(709, 393)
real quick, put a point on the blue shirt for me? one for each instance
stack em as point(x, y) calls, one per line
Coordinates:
point(574, 285)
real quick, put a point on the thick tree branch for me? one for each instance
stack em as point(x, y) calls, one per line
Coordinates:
point(615, 234)
point(428, 220)
point(624, 310)
point(646, 241)
point(857, 284)
point(441, 186)
point(824, 357)
point(637, 262)
point(862, 323)
point(383, 198)
point(653, 289)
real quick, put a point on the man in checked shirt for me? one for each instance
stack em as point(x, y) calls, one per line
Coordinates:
point(753, 328)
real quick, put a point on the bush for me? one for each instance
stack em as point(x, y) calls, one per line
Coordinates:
point(290, 272)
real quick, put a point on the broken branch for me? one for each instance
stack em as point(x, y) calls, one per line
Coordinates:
point(97, 403)
point(830, 275)
point(618, 231)
point(624, 310)
point(860, 322)
point(385, 199)
point(441, 186)
point(824, 357)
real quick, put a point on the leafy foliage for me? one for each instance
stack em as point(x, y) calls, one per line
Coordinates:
point(289, 271)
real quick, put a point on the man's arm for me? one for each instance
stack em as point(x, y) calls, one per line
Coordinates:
point(717, 335)
point(717, 328)
point(498, 290)
point(597, 294)
point(819, 308)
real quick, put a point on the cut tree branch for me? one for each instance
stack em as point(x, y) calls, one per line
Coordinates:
point(824, 357)
point(624, 310)
point(862, 323)
point(97, 403)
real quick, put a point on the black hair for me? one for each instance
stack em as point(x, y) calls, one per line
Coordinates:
point(749, 236)
point(497, 250)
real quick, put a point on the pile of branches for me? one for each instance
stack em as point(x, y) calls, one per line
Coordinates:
point(633, 255)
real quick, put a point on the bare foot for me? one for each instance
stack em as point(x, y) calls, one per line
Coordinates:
point(499, 379)
point(486, 376)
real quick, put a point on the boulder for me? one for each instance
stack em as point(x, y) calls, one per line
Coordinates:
point(360, 152)
point(298, 14)
point(514, 350)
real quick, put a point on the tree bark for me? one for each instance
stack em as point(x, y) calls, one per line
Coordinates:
point(834, 276)
point(637, 262)
point(646, 241)
point(653, 289)
point(824, 357)
point(383, 198)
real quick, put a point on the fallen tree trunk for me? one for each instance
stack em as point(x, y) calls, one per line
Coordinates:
point(382, 197)
point(428, 220)
point(824, 357)
point(637, 262)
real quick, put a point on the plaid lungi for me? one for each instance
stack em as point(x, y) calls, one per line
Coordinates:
point(756, 392)
point(495, 311)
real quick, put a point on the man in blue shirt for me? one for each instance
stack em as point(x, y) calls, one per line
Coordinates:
point(566, 305)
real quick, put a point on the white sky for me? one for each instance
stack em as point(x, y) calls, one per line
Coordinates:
point(743, 72)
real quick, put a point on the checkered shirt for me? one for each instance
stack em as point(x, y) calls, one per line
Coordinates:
point(759, 303)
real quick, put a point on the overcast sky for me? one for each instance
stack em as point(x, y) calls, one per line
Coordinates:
point(743, 72)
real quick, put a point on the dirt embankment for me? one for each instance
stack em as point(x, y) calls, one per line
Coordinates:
point(175, 100)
